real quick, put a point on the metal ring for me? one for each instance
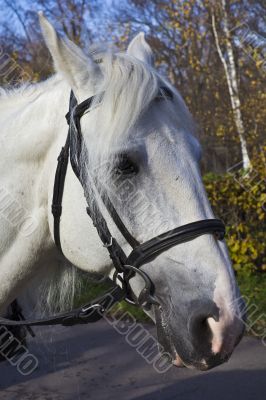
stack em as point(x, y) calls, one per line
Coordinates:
point(141, 273)
point(146, 292)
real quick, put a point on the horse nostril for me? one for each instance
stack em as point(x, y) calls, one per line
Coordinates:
point(198, 325)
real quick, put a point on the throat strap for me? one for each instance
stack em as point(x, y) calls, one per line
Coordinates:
point(60, 177)
point(59, 183)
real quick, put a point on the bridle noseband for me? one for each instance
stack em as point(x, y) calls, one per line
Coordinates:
point(125, 266)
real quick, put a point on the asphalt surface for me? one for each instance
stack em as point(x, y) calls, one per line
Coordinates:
point(95, 362)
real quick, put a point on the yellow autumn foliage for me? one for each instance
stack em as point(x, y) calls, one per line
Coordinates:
point(239, 198)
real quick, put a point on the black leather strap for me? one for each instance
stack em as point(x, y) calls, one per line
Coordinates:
point(60, 176)
point(90, 312)
point(59, 183)
point(118, 221)
point(149, 250)
point(76, 147)
point(116, 253)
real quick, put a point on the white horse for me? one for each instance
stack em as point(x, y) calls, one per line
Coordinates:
point(156, 135)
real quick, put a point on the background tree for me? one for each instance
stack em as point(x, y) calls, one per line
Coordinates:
point(181, 33)
point(229, 64)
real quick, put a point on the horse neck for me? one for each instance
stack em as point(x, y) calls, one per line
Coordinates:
point(35, 113)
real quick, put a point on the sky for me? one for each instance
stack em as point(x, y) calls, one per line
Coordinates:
point(14, 23)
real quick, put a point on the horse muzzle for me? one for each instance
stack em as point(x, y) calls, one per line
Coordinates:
point(193, 343)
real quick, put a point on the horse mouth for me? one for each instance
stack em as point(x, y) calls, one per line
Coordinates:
point(192, 360)
point(165, 340)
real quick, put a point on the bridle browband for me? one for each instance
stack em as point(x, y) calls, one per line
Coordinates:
point(125, 266)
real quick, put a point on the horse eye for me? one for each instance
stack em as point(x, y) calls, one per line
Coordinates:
point(125, 166)
point(165, 93)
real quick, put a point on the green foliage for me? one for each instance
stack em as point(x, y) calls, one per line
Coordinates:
point(90, 290)
point(253, 288)
point(134, 311)
point(239, 198)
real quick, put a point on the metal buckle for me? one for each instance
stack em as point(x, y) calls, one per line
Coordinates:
point(119, 276)
point(93, 307)
point(106, 245)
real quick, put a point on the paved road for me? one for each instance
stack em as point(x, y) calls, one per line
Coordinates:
point(95, 362)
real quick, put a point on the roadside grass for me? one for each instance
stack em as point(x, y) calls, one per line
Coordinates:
point(252, 287)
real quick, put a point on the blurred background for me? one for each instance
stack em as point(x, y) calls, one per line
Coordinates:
point(214, 53)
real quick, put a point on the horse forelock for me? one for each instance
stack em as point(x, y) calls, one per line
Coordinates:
point(128, 87)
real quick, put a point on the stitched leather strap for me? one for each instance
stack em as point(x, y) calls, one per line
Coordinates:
point(88, 313)
point(149, 250)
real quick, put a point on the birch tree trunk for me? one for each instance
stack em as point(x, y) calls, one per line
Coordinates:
point(229, 65)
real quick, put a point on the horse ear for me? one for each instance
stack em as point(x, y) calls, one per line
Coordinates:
point(140, 49)
point(69, 59)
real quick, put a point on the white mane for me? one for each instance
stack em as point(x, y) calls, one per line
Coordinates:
point(27, 92)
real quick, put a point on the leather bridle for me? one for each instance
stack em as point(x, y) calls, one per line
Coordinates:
point(125, 266)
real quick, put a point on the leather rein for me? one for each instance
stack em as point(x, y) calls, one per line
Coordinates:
point(125, 266)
